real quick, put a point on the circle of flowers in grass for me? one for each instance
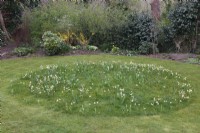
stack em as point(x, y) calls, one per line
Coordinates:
point(109, 88)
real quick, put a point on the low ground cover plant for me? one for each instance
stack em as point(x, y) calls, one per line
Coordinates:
point(193, 60)
point(198, 58)
point(92, 48)
point(84, 47)
point(106, 88)
point(23, 51)
point(117, 51)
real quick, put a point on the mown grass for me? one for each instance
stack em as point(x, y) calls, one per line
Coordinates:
point(22, 117)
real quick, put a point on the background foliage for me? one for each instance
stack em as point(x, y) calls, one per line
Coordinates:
point(181, 22)
point(124, 24)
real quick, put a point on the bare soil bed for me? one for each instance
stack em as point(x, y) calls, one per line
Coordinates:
point(6, 52)
point(174, 56)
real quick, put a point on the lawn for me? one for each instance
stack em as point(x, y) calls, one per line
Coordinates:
point(18, 116)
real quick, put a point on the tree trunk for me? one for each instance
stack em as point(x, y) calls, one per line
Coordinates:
point(155, 9)
point(155, 12)
point(194, 41)
point(8, 37)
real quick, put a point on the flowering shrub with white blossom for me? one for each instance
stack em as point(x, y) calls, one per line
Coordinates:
point(108, 88)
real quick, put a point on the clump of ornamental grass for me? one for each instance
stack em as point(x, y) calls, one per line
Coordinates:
point(105, 88)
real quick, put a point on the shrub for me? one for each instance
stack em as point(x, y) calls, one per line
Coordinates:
point(67, 17)
point(53, 44)
point(165, 39)
point(118, 51)
point(137, 29)
point(198, 58)
point(92, 48)
point(106, 47)
point(183, 18)
point(115, 50)
point(127, 52)
point(1, 38)
point(72, 47)
point(177, 25)
point(23, 51)
point(78, 47)
point(147, 48)
point(64, 47)
point(197, 50)
point(44, 18)
point(73, 38)
point(36, 42)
